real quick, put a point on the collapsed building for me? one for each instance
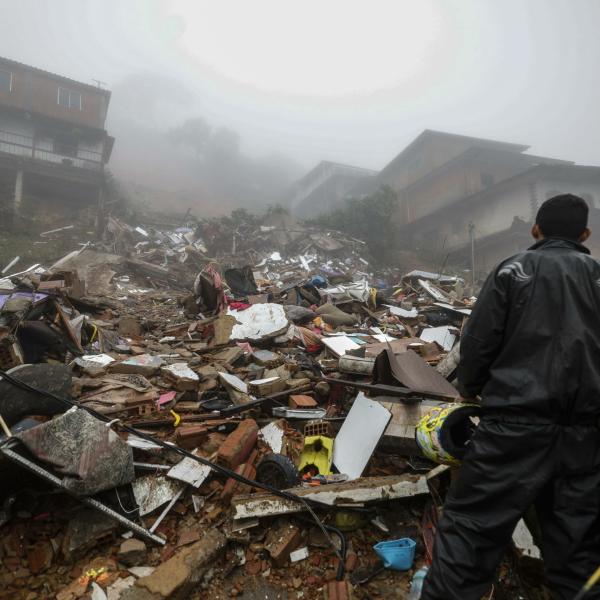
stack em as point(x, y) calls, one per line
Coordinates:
point(222, 410)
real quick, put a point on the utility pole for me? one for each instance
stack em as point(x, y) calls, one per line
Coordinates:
point(472, 238)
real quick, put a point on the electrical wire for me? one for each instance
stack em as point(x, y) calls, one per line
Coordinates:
point(215, 467)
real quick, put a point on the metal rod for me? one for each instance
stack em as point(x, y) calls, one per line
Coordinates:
point(91, 502)
point(165, 512)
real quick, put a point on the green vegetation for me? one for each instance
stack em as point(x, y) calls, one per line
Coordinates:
point(369, 219)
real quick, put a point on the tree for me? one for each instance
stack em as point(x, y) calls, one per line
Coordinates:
point(370, 219)
point(194, 133)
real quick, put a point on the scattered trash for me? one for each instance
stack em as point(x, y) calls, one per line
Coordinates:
point(225, 380)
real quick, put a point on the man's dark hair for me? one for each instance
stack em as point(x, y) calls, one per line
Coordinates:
point(563, 216)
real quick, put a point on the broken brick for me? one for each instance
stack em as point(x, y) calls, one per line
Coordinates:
point(351, 561)
point(39, 557)
point(232, 486)
point(338, 590)
point(238, 445)
point(190, 436)
point(281, 541)
point(302, 401)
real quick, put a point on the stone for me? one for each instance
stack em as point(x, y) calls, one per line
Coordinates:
point(132, 552)
point(175, 578)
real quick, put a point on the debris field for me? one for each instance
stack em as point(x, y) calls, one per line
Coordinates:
point(201, 412)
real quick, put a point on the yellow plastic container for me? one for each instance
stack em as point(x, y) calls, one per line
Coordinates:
point(317, 454)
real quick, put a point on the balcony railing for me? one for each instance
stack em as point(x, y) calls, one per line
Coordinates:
point(26, 147)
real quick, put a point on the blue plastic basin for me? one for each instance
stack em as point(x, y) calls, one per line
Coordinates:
point(397, 554)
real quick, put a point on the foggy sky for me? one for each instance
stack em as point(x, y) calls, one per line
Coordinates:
point(345, 80)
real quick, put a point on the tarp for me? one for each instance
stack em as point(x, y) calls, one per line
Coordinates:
point(90, 456)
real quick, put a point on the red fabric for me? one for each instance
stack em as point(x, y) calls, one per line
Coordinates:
point(239, 305)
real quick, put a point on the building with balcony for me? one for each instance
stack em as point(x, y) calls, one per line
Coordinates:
point(53, 141)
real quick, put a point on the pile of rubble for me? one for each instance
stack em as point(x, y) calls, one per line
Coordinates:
point(178, 424)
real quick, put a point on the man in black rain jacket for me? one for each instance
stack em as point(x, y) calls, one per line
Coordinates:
point(531, 350)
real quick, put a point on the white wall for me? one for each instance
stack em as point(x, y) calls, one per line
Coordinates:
point(492, 216)
point(590, 190)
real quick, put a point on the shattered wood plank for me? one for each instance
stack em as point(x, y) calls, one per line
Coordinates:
point(358, 492)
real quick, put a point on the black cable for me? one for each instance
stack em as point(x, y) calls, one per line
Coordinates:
point(343, 550)
point(215, 467)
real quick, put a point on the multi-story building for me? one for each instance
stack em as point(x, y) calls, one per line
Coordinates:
point(453, 187)
point(325, 187)
point(53, 142)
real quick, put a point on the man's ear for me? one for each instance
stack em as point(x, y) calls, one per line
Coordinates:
point(536, 232)
point(585, 235)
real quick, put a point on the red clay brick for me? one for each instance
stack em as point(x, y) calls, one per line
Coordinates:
point(40, 556)
point(351, 561)
point(190, 436)
point(239, 444)
point(302, 401)
point(338, 590)
point(281, 541)
point(233, 487)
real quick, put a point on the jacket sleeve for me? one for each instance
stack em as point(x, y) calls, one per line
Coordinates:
point(483, 335)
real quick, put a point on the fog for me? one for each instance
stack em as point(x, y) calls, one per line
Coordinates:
point(271, 87)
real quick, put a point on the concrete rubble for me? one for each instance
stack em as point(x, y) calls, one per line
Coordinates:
point(242, 347)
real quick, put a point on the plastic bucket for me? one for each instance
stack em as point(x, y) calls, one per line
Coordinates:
point(396, 554)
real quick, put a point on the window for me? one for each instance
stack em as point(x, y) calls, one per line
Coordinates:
point(65, 144)
point(5, 81)
point(69, 99)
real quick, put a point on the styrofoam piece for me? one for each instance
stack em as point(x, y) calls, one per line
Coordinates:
point(359, 436)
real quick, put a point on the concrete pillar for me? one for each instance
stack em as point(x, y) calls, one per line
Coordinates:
point(18, 191)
